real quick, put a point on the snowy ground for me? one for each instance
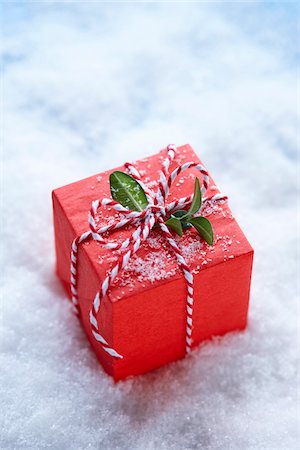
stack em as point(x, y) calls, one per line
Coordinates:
point(87, 86)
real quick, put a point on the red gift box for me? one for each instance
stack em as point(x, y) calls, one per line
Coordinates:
point(143, 314)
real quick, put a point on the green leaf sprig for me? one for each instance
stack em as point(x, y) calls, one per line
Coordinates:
point(182, 220)
point(130, 194)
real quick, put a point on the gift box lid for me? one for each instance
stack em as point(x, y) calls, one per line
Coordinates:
point(154, 263)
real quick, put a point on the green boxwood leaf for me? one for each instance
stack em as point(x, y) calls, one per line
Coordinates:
point(204, 228)
point(175, 224)
point(127, 191)
point(197, 199)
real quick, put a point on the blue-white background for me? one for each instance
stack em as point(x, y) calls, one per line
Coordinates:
point(86, 86)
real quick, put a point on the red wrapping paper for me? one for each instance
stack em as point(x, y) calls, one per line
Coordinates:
point(143, 316)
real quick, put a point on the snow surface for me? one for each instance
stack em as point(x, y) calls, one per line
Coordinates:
point(87, 86)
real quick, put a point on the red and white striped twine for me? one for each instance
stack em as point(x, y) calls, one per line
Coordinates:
point(155, 214)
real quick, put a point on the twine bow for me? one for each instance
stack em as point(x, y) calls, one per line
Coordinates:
point(155, 213)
